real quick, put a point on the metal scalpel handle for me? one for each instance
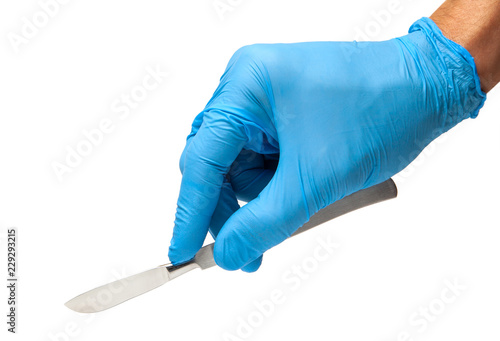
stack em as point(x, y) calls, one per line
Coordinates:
point(365, 197)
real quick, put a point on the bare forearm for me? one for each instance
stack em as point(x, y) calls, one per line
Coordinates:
point(474, 24)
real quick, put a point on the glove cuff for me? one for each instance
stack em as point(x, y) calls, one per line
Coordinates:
point(465, 86)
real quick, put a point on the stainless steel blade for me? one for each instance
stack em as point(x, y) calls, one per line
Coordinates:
point(117, 292)
point(114, 293)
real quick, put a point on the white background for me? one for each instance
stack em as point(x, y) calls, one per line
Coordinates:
point(113, 215)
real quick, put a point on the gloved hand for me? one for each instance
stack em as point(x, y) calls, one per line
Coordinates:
point(339, 116)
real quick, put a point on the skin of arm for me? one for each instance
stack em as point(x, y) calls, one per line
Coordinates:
point(474, 24)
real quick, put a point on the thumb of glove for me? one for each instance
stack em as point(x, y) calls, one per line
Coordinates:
point(264, 222)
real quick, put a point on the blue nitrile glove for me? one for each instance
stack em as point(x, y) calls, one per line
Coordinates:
point(340, 116)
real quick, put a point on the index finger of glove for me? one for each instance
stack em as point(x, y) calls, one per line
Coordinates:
point(207, 160)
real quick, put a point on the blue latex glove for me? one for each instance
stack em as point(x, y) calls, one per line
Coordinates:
point(339, 116)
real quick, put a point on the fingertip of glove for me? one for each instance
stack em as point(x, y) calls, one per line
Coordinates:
point(253, 265)
point(224, 256)
point(179, 255)
point(231, 253)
